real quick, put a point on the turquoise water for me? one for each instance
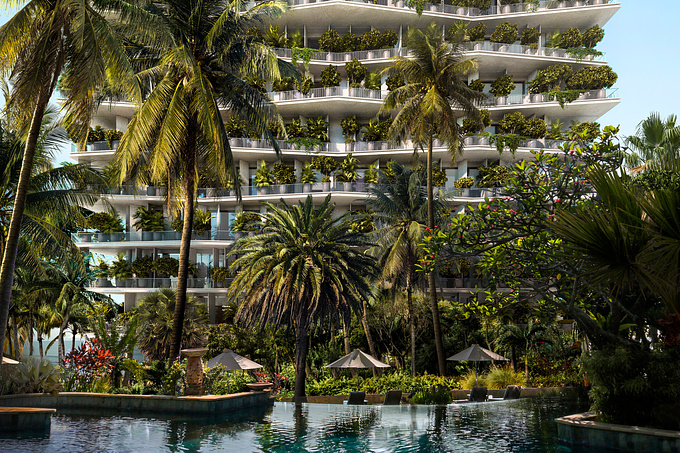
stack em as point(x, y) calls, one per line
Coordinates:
point(523, 426)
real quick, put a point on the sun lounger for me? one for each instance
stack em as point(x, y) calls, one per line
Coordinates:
point(512, 392)
point(392, 397)
point(356, 398)
point(478, 394)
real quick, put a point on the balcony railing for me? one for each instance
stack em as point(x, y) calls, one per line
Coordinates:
point(155, 236)
point(345, 56)
point(361, 93)
point(157, 282)
point(516, 99)
point(471, 11)
point(488, 46)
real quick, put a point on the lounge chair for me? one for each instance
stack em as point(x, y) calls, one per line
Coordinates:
point(512, 392)
point(392, 397)
point(356, 398)
point(478, 394)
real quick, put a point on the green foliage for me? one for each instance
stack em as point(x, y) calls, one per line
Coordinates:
point(470, 379)
point(592, 36)
point(656, 179)
point(394, 81)
point(435, 395)
point(534, 128)
point(502, 86)
point(371, 175)
point(530, 37)
point(245, 221)
point(439, 178)
point(550, 78)
point(112, 134)
point(296, 130)
point(356, 72)
point(295, 39)
point(501, 377)
point(475, 125)
point(350, 126)
point(142, 266)
point(371, 40)
point(505, 33)
point(592, 78)
point(301, 53)
point(148, 220)
point(511, 123)
point(330, 41)
point(96, 135)
point(256, 82)
point(284, 174)
point(567, 39)
point(34, 375)
point(348, 169)
point(174, 380)
point(505, 141)
point(478, 32)
point(305, 86)
point(493, 175)
point(555, 132)
point(283, 84)
point(464, 183)
point(166, 266)
point(373, 81)
point(636, 387)
point(350, 42)
point(587, 131)
point(317, 129)
point(376, 130)
point(388, 39)
point(330, 77)
point(307, 176)
point(236, 127)
point(219, 381)
point(220, 274)
point(324, 164)
point(263, 176)
point(477, 85)
point(202, 220)
point(395, 380)
point(105, 222)
point(120, 268)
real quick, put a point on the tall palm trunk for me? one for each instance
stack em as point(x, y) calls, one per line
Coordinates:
point(345, 334)
point(439, 343)
point(411, 315)
point(185, 246)
point(369, 338)
point(12, 243)
point(301, 349)
point(40, 341)
point(62, 327)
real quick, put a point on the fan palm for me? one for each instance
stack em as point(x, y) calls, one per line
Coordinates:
point(304, 266)
point(656, 143)
point(429, 106)
point(201, 52)
point(526, 337)
point(400, 206)
point(44, 43)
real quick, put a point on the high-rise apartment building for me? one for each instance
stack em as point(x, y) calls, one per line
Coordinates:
point(516, 44)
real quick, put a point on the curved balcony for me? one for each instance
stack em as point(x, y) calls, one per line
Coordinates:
point(144, 236)
point(475, 140)
point(113, 285)
point(518, 49)
point(315, 93)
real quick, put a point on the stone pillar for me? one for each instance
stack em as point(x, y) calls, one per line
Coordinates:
point(194, 370)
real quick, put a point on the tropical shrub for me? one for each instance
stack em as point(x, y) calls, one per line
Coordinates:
point(502, 86)
point(295, 129)
point(501, 377)
point(120, 268)
point(470, 379)
point(477, 85)
point(505, 33)
point(388, 39)
point(284, 174)
point(263, 176)
point(324, 164)
point(236, 127)
point(567, 39)
point(142, 266)
point(464, 183)
point(96, 135)
point(350, 42)
point(371, 175)
point(219, 381)
point(330, 41)
point(393, 82)
point(493, 175)
point(112, 134)
point(166, 266)
point(350, 126)
point(34, 375)
point(476, 125)
point(348, 169)
point(304, 86)
point(317, 128)
point(590, 78)
point(477, 33)
point(373, 81)
point(511, 123)
point(592, 36)
point(330, 77)
point(283, 84)
point(105, 222)
point(370, 40)
point(439, 177)
point(588, 130)
point(148, 220)
point(435, 395)
point(356, 72)
point(86, 365)
point(245, 221)
point(534, 128)
point(307, 176)
point(550, 78)
point(530, 37)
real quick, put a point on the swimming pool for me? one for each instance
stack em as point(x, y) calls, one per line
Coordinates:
point(524, 426)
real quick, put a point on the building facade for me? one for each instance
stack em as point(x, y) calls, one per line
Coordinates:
point(518, 42)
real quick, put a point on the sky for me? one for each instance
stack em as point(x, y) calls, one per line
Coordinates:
point(641, 46)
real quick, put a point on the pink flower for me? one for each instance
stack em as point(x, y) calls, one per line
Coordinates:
point(558, 200)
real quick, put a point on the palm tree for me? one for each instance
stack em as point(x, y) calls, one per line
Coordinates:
point(656, 143)
point(429, 105)
point(45, 43)
point(304, 266)
point(201, 53)
point(524, 336)
point(400, 206)
point(155, 317)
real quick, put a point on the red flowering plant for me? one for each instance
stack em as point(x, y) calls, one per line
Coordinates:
point(518, 257)
point(262, 376)
point(86, 365)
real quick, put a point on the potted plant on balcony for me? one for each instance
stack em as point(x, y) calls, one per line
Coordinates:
point(476, 34)
point(505, 33)
point(330, 78)
point(165, 267)
point(371, 176)
point(112, 137)
point(142, 267)
point(284, 174)
point(439, 178)
point(148, 222)
point(347, 173)
point(307, 178)
point(219, 275)
point(201, 226)
point(530, 37)
point(350, 126)
point(356, 73)
point(464, 184)
point(107, 224)
point(263, 179)
point(245, 222)
point(231, 186)
point(372, 133)
point(502, 87)
point(534, 128)
point(120, 270)
point(101, 270)
point(324, 165)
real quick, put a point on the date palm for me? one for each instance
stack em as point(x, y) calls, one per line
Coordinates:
point(400, 206)
point(656, 143)
point(200, 53)
point(303, 267)
point(429, 106)
point(48, 42)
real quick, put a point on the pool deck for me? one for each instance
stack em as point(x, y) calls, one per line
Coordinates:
point(25, 419)
point(189, 405)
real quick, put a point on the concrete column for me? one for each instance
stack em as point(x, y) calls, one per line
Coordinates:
point(212, 309)
point(129, 303)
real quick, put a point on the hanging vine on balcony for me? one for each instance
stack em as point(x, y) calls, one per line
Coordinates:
point(564, 97)
point(309, 144)
point(581, 52)
point(503, 141)
point(303, 53)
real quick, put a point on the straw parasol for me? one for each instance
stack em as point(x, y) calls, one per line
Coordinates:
point(476, 353)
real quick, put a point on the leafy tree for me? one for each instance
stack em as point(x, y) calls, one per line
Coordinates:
point(304, 266)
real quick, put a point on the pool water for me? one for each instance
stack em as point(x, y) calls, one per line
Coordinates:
point(523, 426)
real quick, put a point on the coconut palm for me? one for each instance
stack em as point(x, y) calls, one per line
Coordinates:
point(400, 206)
point(155, 317)
point(656, 143)
point(200, 51)
point(44, 43)
point(302, 267)
point(429, 106)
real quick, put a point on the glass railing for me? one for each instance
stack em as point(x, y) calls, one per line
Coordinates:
point(362, 93)
point(526, 7)
point(488, 46)
point(158, 282)
point(155, 236)
point(345, 56)
point(515, 99)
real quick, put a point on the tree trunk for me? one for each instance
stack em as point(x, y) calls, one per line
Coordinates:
point(301, 349)
point(73, 339)
point(345, 334)
point(30, 332)
point(12, 244)
point(62, 327)
point(439, 343)
point(369, 338)
point(40, 340)
point(185, 247)
point(411, 323)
